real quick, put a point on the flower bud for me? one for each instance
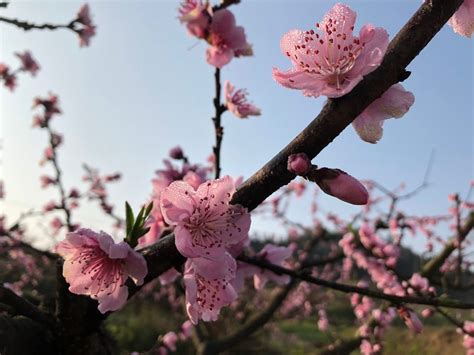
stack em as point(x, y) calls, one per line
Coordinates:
point(176, 153)
point(411, 319)
point(341, 185)
point(299, 164)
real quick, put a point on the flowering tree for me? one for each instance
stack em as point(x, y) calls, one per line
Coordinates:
point(190, 242)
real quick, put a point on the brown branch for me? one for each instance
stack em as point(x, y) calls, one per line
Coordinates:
point(27, 26)
point(218, 129)
point(224, 4)
point(441, 302)
point(436, 262)
point(22, 307)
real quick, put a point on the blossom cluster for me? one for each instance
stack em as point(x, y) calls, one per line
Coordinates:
point(28, 65)
point(218, 28)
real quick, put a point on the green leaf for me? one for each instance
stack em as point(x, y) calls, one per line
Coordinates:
point(130, 219)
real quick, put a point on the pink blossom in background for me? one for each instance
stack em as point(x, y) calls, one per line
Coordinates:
point(462, 21)
point(168, 277)
point(299, 164)
point(274, 255)
point(341, 185)
point(427, 312)
point(87, 31)
point(331, 61)
point(96, 266)
point(411, 319)
point(366, 348)
point(196, 16)
point(323, 322)
point(206, 224)
point(208, 288)
point(394, 103)
point(28, 63)
point(46, 181)
point(186, 330)
point(9, 79)
point(237, 103)
point(50, 106)
point(226, 39)
point(169, 340)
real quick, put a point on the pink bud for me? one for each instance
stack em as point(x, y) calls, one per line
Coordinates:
point(176, 153)
point(427, 312)
point(299, 164)
point(341, 185)
point(411, 319)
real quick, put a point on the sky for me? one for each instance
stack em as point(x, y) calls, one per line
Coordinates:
point(143, 86)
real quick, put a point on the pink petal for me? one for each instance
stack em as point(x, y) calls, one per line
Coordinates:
point(218, 56)
point(462, 21)
point(176, 202)
point(136, 267)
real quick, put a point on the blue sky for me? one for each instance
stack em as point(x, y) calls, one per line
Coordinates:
point(143, 86)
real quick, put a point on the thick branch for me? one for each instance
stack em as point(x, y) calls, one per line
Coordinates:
point(435, 263)
point(22, 307)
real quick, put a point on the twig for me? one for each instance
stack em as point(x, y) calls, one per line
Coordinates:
point(27, 26)
point(218, 129)
point(443, 302)
point(435, 263)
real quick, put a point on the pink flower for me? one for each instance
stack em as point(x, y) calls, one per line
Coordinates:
point(186, 330)
point(427, 312)
point(168, 277)
point(206, 224)
point(94, 265)
point(395, 102)
point(332, 61)
point(208, 288)
point(226, 39)
point(341, 185)
point(196, 16)
point(46, 181)
point(298, 164)
point(28, 63)
point(462, 21)
point(169, 340)
point(366, 348)
point(85, 35)
point(274, 255)
point(50, 106)
point(88, 29)
point(411, 319)
point(84, 15)
point(8, 78)
point(237, 103)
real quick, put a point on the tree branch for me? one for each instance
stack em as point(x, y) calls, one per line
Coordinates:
point(23, 307)
point(442, 302)
point(436, 262)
